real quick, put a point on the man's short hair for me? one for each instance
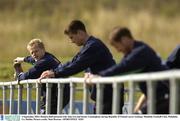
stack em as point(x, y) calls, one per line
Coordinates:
point(119, 32)
point(36, 42)
point(74, 26)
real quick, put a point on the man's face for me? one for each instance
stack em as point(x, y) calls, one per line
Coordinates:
point(76, 38)
point(36, 52)
point(118, 46)
point(121, 46)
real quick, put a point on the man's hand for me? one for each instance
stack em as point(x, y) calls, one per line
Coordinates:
point(47, 74)
point(19, 60)
point(88, 77)
point(17, 67)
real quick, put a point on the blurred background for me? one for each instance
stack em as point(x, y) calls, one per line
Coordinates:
point(156, 22)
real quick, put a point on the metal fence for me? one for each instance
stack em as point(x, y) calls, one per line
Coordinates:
point(150, 78)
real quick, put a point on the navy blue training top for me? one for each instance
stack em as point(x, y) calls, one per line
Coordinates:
point(47, 62)
point(173, 60)
point(93, 57)
point(142, 58)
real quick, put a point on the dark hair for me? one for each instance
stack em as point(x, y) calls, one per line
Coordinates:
point(74, 26)
point(119, 32)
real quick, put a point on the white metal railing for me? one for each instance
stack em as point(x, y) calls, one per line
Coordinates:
point(173, 76)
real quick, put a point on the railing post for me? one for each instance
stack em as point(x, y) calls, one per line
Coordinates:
point(48, 98)
point(28, 98)
point(178, 95)
point(173, 96)
point(60, 98)
point(116, 98)
point(151, 95)
point(99, 98)
point(19, 99)
point(85, 98)
point(131, 96)
point(38, 96)
point(11, 101)
point(72, 92)
point(4, 99)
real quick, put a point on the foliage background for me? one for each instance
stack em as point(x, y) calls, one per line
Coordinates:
point(154, 21)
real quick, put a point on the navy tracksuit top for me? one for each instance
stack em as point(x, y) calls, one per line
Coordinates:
point(142, 58)
point(45, 63)
point(93, 57)
point(173, 60)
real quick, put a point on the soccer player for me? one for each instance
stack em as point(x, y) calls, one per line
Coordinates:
point(41, 61)
point(173, 62)
point(138, 58)
point(93, 57)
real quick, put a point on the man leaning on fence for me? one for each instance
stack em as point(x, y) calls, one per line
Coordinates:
point(173, 62)
point(93, 57)
point(138, 58)
point(41, 61)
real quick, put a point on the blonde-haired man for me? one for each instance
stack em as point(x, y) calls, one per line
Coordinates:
point(41, 61)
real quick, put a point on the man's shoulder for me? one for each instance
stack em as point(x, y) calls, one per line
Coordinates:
point(140, 43)
point(94, 42)
point(48, 58)
point(177, 50)
point(141, 49)
point(141, 46)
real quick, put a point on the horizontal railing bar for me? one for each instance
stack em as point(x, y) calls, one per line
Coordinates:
point(119, 79)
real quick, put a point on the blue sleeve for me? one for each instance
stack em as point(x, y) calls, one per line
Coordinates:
point(173, 60)
point(135, 62)
point(80, 62)
point(34, 72)
point(29, 59)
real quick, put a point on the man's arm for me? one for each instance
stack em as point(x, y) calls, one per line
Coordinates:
point(18, 69)
point(133, 64)
point(47, 74)
point(27, 59)
point(34, 72)
point(80, 62)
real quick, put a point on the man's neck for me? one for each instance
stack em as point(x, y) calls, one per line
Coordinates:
point(131, 46)
point(86, 37)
